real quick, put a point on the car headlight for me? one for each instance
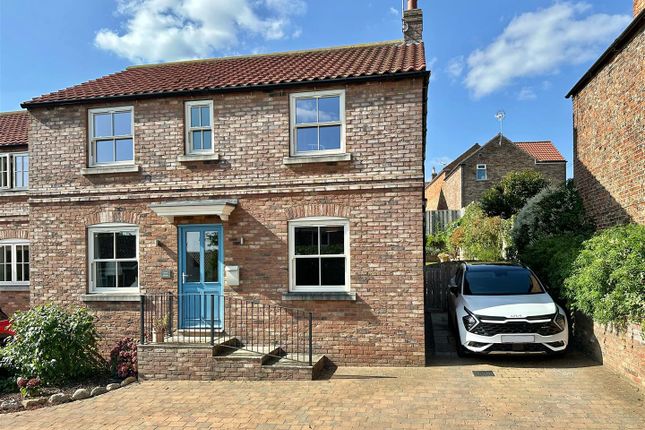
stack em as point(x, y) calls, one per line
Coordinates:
point(560, 320)
point(470, 320)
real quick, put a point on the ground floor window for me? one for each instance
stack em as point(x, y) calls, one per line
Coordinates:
point(14, 262)
point(114, 258)
point(319, 254)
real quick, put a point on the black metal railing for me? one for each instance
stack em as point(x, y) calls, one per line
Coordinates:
point(229, 323)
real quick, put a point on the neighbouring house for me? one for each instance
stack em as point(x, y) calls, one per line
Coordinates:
point(609, 170)
point(14, 212)
point(609, 129)
point(465, 179)
point(202, 197)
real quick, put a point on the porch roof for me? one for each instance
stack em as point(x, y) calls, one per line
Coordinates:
point(170, 210)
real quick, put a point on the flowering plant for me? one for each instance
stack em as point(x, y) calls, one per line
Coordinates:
point(123, 358)
point(29, 387)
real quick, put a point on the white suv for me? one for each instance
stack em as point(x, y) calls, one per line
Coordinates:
point(503, 308)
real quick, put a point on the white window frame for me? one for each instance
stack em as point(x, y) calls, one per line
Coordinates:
point(189, 136)
point(5, 174)
point(342, 123)
point(318, 222)
point(110, 228)
point(92, 140)
point(484, 168)
point(14, 172)
point(14, 265)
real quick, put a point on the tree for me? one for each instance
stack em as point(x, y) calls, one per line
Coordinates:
point(508, 196)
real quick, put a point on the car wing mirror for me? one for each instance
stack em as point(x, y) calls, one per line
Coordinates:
point(454, 290)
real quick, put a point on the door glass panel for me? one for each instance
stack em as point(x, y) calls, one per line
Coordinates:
point(211, 250)
point(192, 257)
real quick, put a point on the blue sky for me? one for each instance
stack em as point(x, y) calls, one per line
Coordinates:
point(518, 56)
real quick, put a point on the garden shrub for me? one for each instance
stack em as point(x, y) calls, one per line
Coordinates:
point(608, 277)
point(7, 376)
point(552, 260)
point(553, 211)
point(508, 196)
point(123, 358)
point(54, 344)
point(436, 244)
point(478, 236)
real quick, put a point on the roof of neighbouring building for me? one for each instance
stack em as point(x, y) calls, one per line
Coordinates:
point(13, 128)
point(541, 151)
point(330, 64)
point(637, 25)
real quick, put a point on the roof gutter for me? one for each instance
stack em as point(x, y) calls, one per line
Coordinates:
point(267, 87)
point(614, 48)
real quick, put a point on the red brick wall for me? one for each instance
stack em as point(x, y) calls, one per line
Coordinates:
point(639, 5)
point(452, 190)
point(12, 300)
point(380, 191)
point(609, 146)
point(621, 350)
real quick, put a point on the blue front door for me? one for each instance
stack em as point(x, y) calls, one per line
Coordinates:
point(201, 267)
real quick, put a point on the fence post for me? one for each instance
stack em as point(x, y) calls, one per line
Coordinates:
point(311, 340)
point(212, 319)
point(170, 313)
point(142, 309)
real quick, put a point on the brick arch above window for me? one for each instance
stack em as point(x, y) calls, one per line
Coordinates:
point(317, 210)
point(116, 216)
point(14, 233)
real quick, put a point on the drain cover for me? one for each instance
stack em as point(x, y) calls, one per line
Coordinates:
point(483, 373)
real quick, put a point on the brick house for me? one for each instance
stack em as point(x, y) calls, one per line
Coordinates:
point(465, 179)
point(609, 130)
point(287, 179)
point(609, 170)
point(14, 212)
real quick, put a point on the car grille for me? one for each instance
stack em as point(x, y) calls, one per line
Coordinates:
point(517, 347)
point(520, 327)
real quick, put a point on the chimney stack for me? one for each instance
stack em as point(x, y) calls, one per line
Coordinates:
point(434, 173)
point(413, 23)
point(639, 5)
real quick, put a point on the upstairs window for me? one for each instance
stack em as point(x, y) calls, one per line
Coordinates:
point(319, 254)
point(318, 123)
point(199, 127)
point(111, 136)
point(14, 262)
point(14, 171)
point(482, 172)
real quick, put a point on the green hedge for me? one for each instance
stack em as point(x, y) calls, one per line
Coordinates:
point(607, 280)
point(479, 237)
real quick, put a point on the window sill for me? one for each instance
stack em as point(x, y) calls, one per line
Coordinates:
point(9, 288)
point(111, 297)
point(14, 191)
point(104, 170)
point(321, 296)
point(192, 158)
point(305, 159)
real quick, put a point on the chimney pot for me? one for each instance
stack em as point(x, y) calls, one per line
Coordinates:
point(434, 173)
point(412, 4)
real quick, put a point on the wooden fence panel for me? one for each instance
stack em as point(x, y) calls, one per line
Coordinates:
point(436, 285)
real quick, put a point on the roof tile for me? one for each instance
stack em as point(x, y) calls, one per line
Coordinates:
point(13, 128)
point(257, 70)
point(541, 151)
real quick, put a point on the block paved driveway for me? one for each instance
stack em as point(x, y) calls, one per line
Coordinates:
point(570, 392)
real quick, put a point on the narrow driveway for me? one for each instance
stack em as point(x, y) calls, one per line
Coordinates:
point(571, 393)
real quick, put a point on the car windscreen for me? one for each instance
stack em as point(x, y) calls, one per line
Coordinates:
point(496, 281)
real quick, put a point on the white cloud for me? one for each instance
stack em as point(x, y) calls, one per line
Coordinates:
point(166, 30)
point(526, 94)
point(395, 12)
point(456, 66)
point(538, 43)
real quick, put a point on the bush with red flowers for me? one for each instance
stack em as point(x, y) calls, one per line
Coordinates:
point(123, 358)
point(29, 387)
